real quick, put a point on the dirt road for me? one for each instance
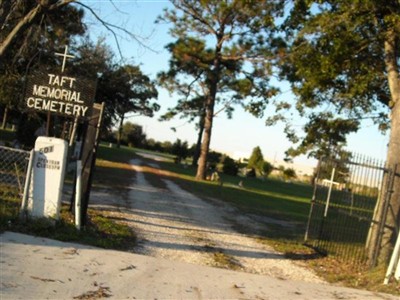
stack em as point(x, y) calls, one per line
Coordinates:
point(184, 234)
point(174, 224)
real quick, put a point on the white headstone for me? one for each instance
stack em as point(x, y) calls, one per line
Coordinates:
point(47, 177)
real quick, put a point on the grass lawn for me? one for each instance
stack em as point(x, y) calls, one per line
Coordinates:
point(271, 198)
point(101, 231)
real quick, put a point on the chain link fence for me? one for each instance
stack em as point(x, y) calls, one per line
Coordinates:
point(13, 167)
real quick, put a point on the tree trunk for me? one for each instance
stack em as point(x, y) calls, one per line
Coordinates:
point(205, 145)
point(209, 110)
point(3, 125)
point(392, 219)
point(119, 135)
point(198, 144)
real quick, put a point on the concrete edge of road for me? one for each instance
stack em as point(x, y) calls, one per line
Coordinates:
point(37, 268)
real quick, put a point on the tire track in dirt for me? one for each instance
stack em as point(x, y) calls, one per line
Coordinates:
point(174, 224)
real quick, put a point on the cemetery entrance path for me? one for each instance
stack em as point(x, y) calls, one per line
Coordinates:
point(179, 236)
point(174, 224)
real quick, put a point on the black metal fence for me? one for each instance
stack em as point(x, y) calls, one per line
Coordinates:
point(345, 195)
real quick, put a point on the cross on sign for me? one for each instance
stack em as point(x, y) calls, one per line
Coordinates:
point(65, 55)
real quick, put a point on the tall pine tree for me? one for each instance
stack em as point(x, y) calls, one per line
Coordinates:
point(235, 60)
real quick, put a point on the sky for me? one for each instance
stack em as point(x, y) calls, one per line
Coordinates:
point(236, 137)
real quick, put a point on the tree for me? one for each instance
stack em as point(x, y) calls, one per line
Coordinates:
point(191, 102)
point(15, 22)
point(133, 135)
point(180, 150)
point(153, 145)
point(256, 161)
point(18, 17)
point(191, 109)
point(29, 45)
point(325, 136)
point(229, 165)
point(167, 147)
point(9, 89)
point(289, 173)
point(128, 90)
point(344, 56)
point(96, 60)
point(230, 54)
point(267, 169)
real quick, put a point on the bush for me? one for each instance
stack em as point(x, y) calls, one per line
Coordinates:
point(250, 172)
point(267, 169)
point(180, 150)
point(289, 173)
point(229, 166)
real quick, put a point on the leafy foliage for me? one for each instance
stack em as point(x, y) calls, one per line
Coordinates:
point(289, 173)
point(51, 28)
point(133, 135)
point(256, 160)
point(342, 60)
point(325, 135)
point(180, 149)
point(267, 168)
point(335, 62)
point(229, 165)
point(126, 89)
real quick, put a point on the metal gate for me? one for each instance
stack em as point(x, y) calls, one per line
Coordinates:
point(342, 208)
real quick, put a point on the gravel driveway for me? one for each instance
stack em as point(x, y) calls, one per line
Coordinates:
point(176, 225)
point(184, 235)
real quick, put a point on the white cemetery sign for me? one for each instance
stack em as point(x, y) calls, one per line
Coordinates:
point(47, 177)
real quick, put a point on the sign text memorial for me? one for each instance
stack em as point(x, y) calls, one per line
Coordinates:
point(60, 94)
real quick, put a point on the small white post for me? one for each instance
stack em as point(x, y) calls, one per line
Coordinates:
point(397, 274)
point(27, 182)
point(393, 261)
point(78, 192)
point(73, 133)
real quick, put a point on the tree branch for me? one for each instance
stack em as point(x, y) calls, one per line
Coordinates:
point(28, 19)
point(189, 10)
point(17, 29)
point(191, 84)
point(110, 27)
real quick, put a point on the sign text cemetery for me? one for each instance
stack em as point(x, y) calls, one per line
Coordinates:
point(59, 94)
point(69, 96)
